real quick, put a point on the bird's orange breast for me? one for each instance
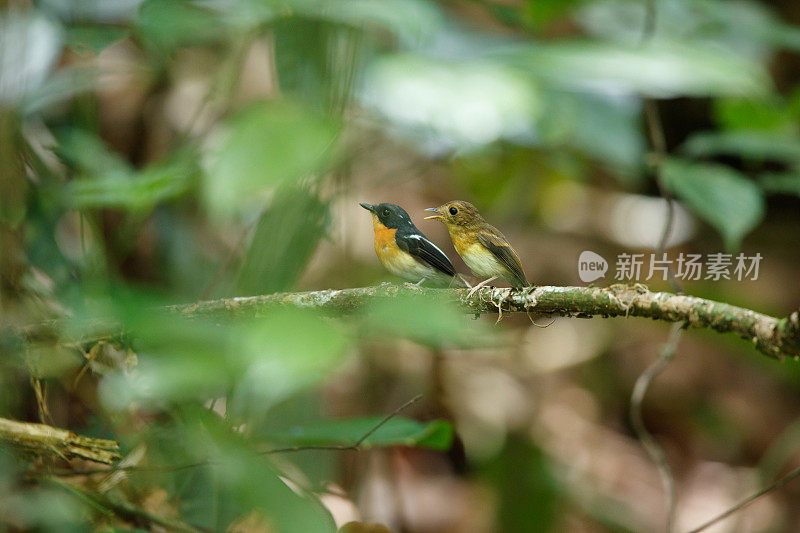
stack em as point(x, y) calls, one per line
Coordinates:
point(385, 244)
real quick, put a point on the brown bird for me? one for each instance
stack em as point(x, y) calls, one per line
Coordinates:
point(483, 248)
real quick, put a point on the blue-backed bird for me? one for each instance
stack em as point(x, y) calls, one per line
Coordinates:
point(404, 250)
point(483, 248)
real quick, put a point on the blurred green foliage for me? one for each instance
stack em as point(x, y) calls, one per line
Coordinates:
point(401, 431)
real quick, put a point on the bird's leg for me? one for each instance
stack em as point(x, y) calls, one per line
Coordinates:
point(466, 283)
point(420, 282)
point(480, 285)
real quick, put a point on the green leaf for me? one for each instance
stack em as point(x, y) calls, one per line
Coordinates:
point(88, 154)
point(283, 242)
point(412, 21)
point(398, 431)
point(266, 144)
point(720, 195)
point(781, 183)
point(105, 179)
point(93, 37)
point(168, 24)
point(750, 27)
point(530, 493)
point(257, 361)
point(756, 145)
point(140, 192)
point(235, 483)
point(770, 114)
point(425, 319)
point(661, 69)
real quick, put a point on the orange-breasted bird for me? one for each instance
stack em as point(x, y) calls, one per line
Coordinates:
point(404, 250)
point(483, 248)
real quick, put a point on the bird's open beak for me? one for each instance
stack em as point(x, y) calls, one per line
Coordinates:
point(368, 207)
point(435, 210)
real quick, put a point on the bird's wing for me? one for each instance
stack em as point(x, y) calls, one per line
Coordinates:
point(496, 243)
point(425, 251)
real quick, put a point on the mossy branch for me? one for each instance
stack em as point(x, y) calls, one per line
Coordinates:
point(41, 438)
point(772, 336)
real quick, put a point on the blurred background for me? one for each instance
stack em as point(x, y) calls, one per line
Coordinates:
point(169, 151)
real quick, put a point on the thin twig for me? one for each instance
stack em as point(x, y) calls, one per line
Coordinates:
point(658, 142)
point(780, 482)
point(649, 443)
point(356, 446)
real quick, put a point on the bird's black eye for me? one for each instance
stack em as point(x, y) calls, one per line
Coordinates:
point(386, 212)
point(453, 210)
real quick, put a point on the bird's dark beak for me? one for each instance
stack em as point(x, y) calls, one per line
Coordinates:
point(435, 210)
point(368, 207)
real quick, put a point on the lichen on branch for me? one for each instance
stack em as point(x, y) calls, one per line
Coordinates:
point(44, 439)
point(772, 336)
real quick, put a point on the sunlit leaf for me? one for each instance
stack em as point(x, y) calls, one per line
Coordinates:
point(265, 145)
point(411, 21)
point(29, 47)
point(446, 105)
point(398, 431)
point(660, 69)
point(751, 28)
point(722, 196)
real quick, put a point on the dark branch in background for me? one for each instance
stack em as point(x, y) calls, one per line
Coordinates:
point(772, 336)
point(790, 324)
point(658, 142)
point(649, 442)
